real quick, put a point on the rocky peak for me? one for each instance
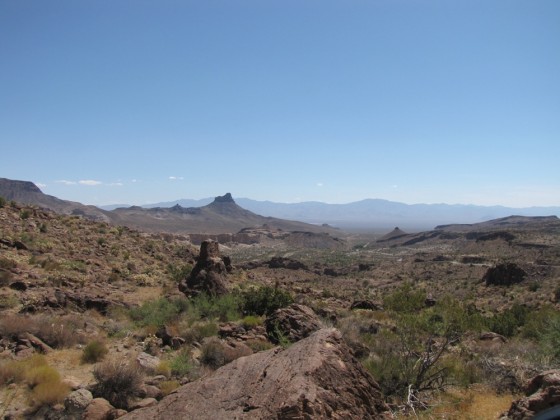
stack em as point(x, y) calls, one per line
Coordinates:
point(227, 198)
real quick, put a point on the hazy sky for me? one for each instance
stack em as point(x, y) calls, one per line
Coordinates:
point(138, 101)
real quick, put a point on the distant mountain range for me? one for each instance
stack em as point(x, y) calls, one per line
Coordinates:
point(221, 216)
point(208, 216)
point(374, 214)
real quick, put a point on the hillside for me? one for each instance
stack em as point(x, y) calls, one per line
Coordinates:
point(223, 215)
point(70, 285)
point(26, 192)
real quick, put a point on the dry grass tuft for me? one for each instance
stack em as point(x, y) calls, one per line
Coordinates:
point(476, 403)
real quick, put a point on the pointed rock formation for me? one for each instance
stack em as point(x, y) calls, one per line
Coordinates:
point(315, 378)
point(209, 273)
point(394, 234)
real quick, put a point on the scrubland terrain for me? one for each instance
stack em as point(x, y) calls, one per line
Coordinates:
point(450, 323)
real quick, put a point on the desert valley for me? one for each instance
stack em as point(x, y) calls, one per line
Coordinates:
point(217, 312)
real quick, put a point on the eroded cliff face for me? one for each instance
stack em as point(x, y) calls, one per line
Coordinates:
point(314, 378)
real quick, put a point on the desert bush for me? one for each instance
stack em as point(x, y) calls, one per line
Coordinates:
point(508, 322)
point(264, 300)
point(25, 214)
point(178, 273)
point(7, 263)
point(167, 387)
point(117, 382)
point(259, 345)
point(94, 352)
point(224, 308)
point(448, 316)
point(408, 362)
point(181, 365)
point(163, 368)
point(200, 330)
point(156, 313)
point(2, 202)
point(43, 380)
point(57, 332)
point(49, 393)
point(11, 372)
point(215, 353)
point(5, 277)
point(41, 374)
point(405, 299)
point(251, 321)
point(543, 326)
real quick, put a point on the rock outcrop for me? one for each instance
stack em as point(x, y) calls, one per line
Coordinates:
point(316, 378)
point(209, 273)
point(292, 323)
point(504, 275)
point(542, 393)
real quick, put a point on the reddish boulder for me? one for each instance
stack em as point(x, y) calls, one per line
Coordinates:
point(542, 393)
point(293, 323)
point(316, 377)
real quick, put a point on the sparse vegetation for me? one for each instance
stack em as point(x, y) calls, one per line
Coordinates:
point(94, 352)
point(43, 381)
point(181, 364)
point(264, 300)
point(421, 342)
point(117, 382)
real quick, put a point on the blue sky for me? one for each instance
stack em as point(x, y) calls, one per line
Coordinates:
point(408, 100)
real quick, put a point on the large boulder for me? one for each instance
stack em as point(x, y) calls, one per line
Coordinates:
point(314, 378)
point(504, 275)
point(292, 323)
point(542, 393)
point(209, 273)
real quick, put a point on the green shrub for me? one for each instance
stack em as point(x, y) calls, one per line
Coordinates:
point(251, 321)
point(156, 313)
point(94, 352)
point(181, 365)
point(508, 322)
point(117, 382)
point(179, 273)
point(405, 299)
point(25, 214)
point(2, 202)
point(264, 300)
point(224, 308)
point(200, 330)
point(543, 326)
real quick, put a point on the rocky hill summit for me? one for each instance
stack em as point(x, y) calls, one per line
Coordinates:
point(26, 192)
